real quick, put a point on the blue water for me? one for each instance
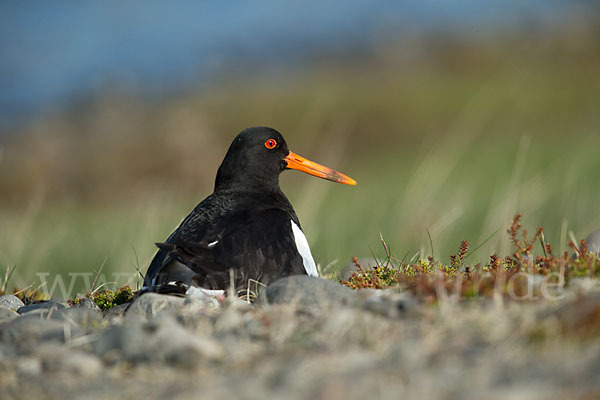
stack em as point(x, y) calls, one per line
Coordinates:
point(52, 52)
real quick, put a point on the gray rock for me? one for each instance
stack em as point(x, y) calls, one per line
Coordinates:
point(124, 342)
point(11, 302)
point(116, 314)
point(234, 318)
point(29, 330)
point(29, 366)
point(83, 317)
point(389, 303)
point(87, 304)
point(584, 284)
point(6, 352)
point(78, 363)
point(308, 291)
point(149, 305)
point(317, 292)
point(80, 317)
point(581, 315)
point(7, 315)
point(68, 362)
point(161, 339)
point(40, 306)
point(593, 242)
point(64, 302)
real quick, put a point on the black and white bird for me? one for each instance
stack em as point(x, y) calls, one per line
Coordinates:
point(246, 229)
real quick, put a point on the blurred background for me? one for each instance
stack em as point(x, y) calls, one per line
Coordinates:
point(452, 117)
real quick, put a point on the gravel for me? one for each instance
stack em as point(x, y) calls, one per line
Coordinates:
point(307, 338)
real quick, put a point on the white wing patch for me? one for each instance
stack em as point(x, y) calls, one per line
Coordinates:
point(304, 250)
point(206, 296)
point(206, 292)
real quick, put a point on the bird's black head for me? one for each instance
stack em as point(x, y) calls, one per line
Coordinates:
point(258, 155)
point(255, 159)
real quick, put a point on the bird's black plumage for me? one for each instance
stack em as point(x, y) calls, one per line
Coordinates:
point(243, 229)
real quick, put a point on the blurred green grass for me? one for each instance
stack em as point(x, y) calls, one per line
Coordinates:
point(454, 143)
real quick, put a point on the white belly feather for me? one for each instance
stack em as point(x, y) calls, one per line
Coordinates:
point(304, 250)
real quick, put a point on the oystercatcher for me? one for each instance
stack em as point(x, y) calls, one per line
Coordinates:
point(246, 230)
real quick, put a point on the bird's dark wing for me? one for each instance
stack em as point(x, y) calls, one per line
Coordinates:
point(193, 228)
point(256, 245)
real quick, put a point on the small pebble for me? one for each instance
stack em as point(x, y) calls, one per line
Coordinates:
point(149, 305)
point(28, 330)
point(40, 306)
point(593, 242)
point(29, 366)
point(7, 315)
point(11, 302)
point(308, 291)
point(87, 304)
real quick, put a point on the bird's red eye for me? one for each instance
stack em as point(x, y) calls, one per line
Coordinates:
point(271, 143)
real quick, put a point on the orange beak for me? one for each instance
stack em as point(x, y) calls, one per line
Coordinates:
point(294, 161)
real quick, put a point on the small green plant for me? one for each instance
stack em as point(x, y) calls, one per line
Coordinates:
point(379, 277)
point(107, 299)
point(508, 275)
point(456, 260)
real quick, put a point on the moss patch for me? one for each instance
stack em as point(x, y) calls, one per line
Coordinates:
point(107, 299)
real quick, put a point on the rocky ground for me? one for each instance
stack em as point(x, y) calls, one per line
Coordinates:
point(306, 338)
